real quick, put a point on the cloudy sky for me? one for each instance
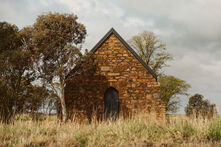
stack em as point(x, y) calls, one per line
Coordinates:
point(190, 28)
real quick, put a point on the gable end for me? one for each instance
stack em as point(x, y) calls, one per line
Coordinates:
point(112, 31)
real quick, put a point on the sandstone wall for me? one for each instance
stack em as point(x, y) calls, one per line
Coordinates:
point(119, 68)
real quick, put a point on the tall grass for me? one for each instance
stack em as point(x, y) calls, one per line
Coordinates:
point(176, 131)
point(215, 130)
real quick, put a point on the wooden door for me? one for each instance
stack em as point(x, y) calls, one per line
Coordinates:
point(111, 104)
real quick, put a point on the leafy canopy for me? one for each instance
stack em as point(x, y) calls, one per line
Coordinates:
point(53, 38)
point(9, 37)
point(171, 88)
point(151, 50)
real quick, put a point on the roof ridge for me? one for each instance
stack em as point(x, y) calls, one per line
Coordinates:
point(112, 30)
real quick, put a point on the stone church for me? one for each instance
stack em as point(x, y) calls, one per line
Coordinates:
point(122, 84)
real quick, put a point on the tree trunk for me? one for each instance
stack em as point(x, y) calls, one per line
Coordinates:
point(63, 105)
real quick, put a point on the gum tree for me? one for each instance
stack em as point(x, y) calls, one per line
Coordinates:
point(54, 41)
point(154, 53)
point(152, 50)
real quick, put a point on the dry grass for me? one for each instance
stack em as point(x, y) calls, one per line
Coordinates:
point(178, 130)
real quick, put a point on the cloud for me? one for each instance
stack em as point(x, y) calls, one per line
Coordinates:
point(24, 12)
point(190, 19)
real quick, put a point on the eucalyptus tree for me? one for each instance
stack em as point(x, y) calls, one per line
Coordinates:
point(154, 53)
point(54, 42)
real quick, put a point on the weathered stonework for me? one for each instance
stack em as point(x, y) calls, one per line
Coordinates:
point(118, 68)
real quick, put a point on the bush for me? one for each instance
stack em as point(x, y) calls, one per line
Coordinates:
point(197, 107)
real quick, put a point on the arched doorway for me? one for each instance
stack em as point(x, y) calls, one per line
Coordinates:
point(111, 104)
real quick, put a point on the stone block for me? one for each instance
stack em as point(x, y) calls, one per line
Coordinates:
point(105, 68)
point(113, 74)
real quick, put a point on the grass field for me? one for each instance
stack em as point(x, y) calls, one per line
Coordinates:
point(177, 130)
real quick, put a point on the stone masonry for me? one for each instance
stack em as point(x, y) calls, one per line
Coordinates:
point(118, 67)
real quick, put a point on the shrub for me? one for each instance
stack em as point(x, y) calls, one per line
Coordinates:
point(197, 107)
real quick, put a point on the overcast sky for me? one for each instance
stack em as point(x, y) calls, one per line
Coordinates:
point(190, 28)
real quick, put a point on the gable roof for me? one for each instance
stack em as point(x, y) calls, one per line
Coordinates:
point(112, 31)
